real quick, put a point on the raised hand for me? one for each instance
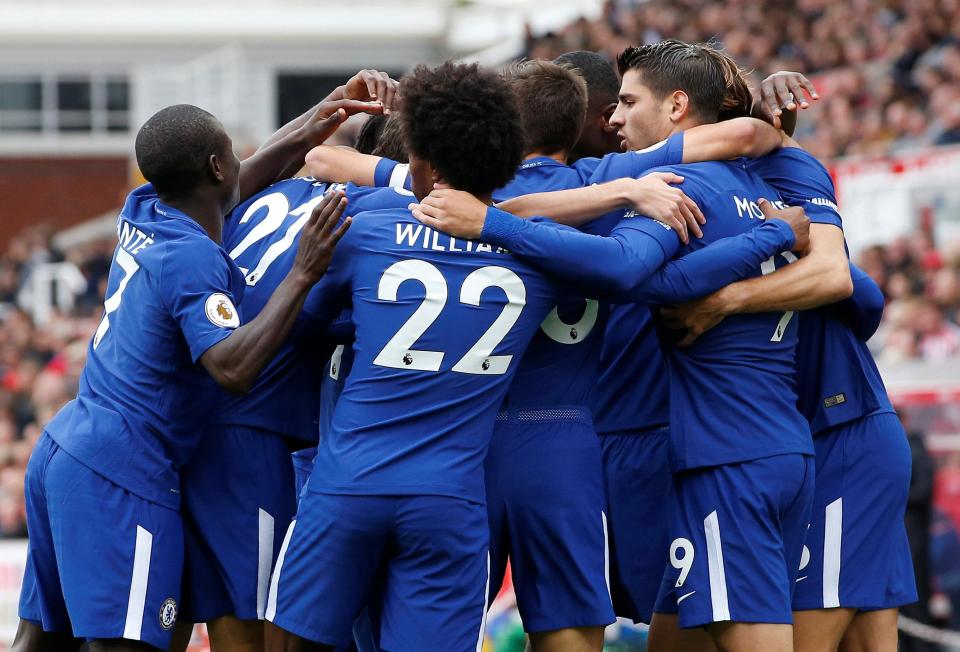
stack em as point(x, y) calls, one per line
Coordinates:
point(318, 239)
point(373, 86)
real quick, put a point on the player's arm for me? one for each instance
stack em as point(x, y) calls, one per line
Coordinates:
point(236, 361)
point(729, 139)
point(781, 95)
point(366, 85)
point(863, 310)
point(341, 165)
point(725, 261)
point(651, 195)
point(284, 157)
point(635, 249)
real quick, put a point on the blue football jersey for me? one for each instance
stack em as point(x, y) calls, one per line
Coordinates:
point(440, 326)
point(560, 365)
point(837, 377)
point(262, 235)
point(715, 418)
point(539, 174)
point(142, 401)
point(630, 394)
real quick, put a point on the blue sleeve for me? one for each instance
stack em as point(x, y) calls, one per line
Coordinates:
point(341, 330)
point(585, 167)
point(802, 181)
point(636, 164)
point(391, 174)
point(331, 295)
point(863, 310)
point(636, 248)
point(201, 287)
point(715, 266)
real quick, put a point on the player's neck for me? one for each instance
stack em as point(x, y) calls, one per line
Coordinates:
point(559, 157)
point(205, 211)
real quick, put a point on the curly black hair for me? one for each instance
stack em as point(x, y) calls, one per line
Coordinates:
point(464, 121)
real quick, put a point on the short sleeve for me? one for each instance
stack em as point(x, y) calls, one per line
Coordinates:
point(801, 180)
point(636, 164)
point(201, 287)
point(391, 174)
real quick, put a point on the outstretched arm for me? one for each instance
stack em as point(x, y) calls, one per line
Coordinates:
point(366, 85)
point(284, 157)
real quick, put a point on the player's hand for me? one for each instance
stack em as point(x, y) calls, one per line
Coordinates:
point(330, 115)
point(694, 318)
point(454, 212)
point(785, 90)
point(653, 196)
point(373, 86)
point(319, 238)
point(796, 218)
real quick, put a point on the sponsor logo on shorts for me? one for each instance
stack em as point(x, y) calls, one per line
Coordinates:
point(168, 613)
point(221, 311)
point(831, 401)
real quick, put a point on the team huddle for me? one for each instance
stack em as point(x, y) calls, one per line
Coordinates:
point(602, 327)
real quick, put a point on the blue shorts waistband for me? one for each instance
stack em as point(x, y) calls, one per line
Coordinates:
point(561, 413)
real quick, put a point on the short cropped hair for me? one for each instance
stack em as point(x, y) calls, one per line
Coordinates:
point(174, 145)
point(603, 85)
point(553, 104)
point(672, 65)
point(464, 121)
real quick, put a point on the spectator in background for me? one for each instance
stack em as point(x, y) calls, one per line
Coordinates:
point(889, 71)
point(917, 520)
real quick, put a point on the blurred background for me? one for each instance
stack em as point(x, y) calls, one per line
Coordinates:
point(78, 77)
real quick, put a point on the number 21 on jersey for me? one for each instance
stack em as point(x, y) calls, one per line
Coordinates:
point(399, 353)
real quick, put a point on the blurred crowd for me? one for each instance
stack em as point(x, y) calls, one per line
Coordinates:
point(922, 286)
point(39, 365)
point(888, 70)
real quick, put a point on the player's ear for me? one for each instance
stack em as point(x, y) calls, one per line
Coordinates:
point(679, 105)
point(606, 113)
point(215, 168)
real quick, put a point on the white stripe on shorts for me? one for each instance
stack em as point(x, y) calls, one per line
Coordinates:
point(264, 560)
point(832, 534)
point(483, 619)
point(606, 554)
point(718, 578)
point(138, 585)
point(275, 580)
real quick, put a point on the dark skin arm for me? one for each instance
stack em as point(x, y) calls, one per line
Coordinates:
point(236, 361)
point(284, 157)
point(365, 86)
point(781, 95)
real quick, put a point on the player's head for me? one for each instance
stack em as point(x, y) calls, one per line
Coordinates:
point(390, 144)
point(667, 87)
point(553, 105)
point(737, 100)
point(598, 138)
point(461, 127)
point(369, 134)
point(183, 149)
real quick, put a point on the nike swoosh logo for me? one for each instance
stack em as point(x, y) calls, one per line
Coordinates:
point(800, 579)
point(684, 596)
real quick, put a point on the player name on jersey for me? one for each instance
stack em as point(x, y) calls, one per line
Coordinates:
point(423, 237)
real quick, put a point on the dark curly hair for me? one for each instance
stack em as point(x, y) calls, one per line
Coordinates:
point(174, 145)
point(464, 121)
